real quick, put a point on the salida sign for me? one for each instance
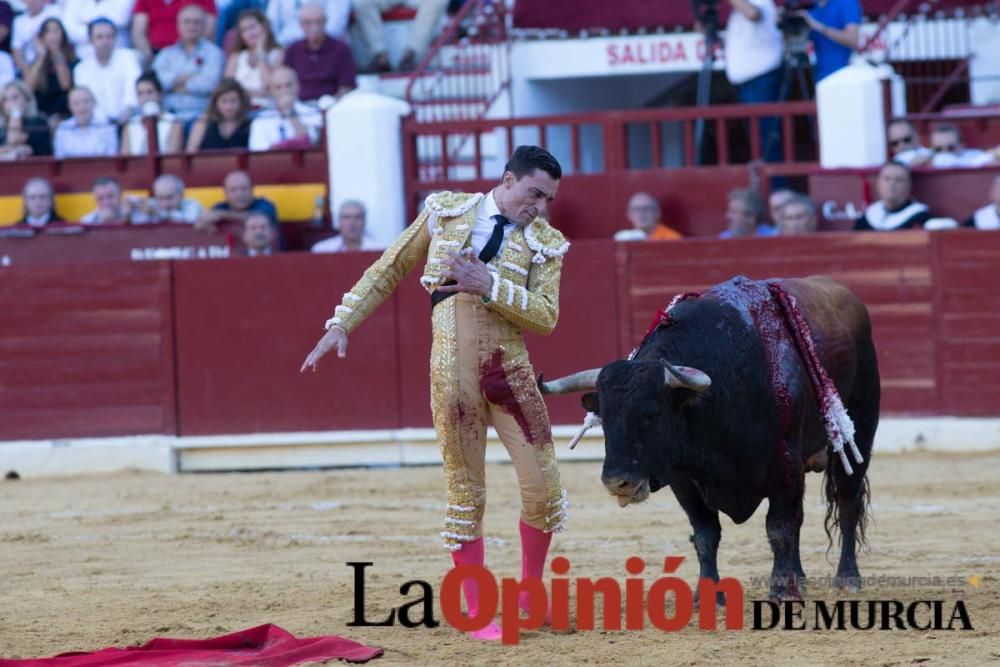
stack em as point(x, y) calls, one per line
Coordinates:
point(667, 51)
point(642, 605)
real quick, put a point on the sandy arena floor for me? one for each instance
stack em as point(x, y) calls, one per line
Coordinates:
point(98, 561)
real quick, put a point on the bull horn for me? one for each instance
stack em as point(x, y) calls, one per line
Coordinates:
point(581, 381)
point(683, 377)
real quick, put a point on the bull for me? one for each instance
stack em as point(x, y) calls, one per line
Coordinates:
point(731, 398)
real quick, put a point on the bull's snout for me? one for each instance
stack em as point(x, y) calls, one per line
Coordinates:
point(626, 488)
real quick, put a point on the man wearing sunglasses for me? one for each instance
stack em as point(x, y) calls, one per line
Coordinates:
point(946, 142)
point(904, 144)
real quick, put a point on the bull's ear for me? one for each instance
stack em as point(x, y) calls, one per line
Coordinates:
point(590, 403)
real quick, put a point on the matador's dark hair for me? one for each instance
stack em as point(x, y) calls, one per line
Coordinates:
point(526, 159)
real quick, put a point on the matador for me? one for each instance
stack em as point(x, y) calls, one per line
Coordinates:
point(492, 265)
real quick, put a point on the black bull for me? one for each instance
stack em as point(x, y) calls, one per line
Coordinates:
point(718, 403)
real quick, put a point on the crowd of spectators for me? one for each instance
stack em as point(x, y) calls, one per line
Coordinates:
point(79, 76)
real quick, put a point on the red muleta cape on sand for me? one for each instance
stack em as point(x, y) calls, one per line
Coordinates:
point(263, 646)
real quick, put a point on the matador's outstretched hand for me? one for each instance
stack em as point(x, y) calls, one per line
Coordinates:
point(334, 337)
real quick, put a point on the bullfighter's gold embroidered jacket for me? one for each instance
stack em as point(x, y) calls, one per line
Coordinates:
point(525, 273)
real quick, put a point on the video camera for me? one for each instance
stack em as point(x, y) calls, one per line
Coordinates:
point(794, 28)
point(706, 13)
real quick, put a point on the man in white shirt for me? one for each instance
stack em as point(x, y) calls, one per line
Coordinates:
point(988, 217)
point(904, 144)
point(85, 134)
point(291, 122)
point(167, 204)
point(946, 142)
point(351, 220)
point(110, 73)
point(25, 29)
point(110, 209)
point(284, 18)
point(79, 14)
point(754, 55)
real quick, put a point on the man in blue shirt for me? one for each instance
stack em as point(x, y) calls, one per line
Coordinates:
point(240, 202)
point(834, 34)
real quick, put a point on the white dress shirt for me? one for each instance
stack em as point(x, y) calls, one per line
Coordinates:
point(113, 85)
point(270, 128)
point(78, 14)
point(336, 244)
point(97, 139)
point(284, 18)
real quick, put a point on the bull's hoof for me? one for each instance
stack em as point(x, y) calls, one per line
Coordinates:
point(720, 600)
point(784, 589)
point(847, 583)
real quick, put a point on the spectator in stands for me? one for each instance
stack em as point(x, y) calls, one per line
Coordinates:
point(988, 217)
point(190, 69)
point(258, 236)
point(351, 219)
point(6, 24)
point(8, 70)
point(754, 59)
point(50, 75)
point(776, 200)
point(286, 18)
point(26, 29)
point(644, 216)
point(324, 64)
point(169, 133)
point(155, 23)
point(745, 215)
point(110, 209)
point(229, 11)
point(368, 14)
point(291, 123)
point(946, 142)
point(39, 203)
point(797, 216)
point(84, 135)
point(254, 56)
point(904, 144)
point(78, 15)
point(895, 208)
point(109, 72)
point(23, 132)
point(835, 25)
point(226, 123)
point(240, 202)
point(166, 205)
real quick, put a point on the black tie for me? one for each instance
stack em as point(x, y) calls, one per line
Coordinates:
point(489, 250)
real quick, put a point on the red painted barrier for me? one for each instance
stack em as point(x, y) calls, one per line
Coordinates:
point(110, 348)
point(86, 350)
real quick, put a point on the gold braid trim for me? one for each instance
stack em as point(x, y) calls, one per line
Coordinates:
point(535, 308)
point(464, 513)
point(381, 278)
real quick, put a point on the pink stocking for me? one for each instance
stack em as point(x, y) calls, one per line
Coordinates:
point(534, 550)
point(474, 553)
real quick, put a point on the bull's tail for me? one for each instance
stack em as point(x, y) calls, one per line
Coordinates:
point(848, 499)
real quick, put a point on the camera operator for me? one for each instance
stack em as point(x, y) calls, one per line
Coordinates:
point(834, 25)
point(754, 57)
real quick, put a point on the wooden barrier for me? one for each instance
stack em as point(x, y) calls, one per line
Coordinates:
point(191, 348)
